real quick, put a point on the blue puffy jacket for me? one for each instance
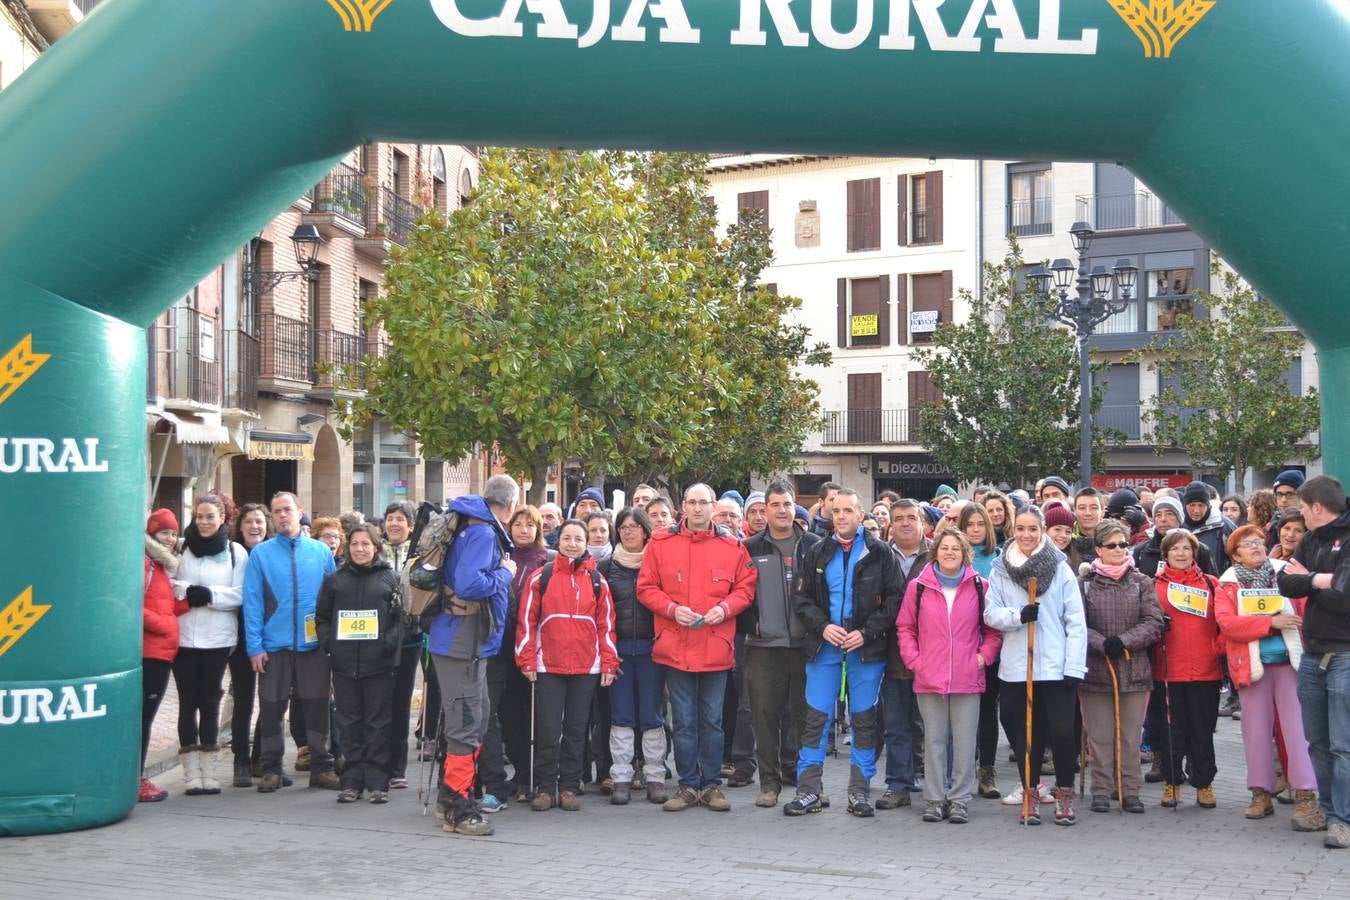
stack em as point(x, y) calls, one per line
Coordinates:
point(473, 571)
point(280, 589)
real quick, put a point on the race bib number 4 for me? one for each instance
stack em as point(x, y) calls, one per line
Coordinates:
point(358, 625)
point(1259, 602)
point(1194, 601)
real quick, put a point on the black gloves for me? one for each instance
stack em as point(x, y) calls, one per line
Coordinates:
point(1030, 613)
point(1113, 647)
point(198, 595)
point(1167, 623)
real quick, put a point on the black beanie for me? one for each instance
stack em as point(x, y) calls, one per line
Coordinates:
point(1120, 501)
point(1196, 492)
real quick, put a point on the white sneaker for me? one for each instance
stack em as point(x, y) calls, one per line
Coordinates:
point(1015, 798)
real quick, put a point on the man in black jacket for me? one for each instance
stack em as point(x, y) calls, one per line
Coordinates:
point(775, 668)
point(1167, 514)
point(847, 595)
point(1320, 571)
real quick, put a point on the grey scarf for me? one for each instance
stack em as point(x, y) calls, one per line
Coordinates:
point(1042, 565)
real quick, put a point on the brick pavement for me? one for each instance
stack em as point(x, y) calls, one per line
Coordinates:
point(299, 841)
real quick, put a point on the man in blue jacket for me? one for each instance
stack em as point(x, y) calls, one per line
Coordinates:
point(280, 589)
point(465, 635)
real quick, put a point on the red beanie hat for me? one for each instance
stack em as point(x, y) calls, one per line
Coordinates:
point(161, 520)
point(1058, 514)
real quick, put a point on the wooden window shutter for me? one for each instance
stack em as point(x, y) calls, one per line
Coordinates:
point(901, 308)
point(843, 312)
point(851, 216)
point(902, 208)
point(934, 180)
point(947, 302)
point(884, 312)
point(872, 188)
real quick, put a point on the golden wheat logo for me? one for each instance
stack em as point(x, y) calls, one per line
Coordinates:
point(359, 15)
point(1161, 24)
point(17, 618)
point(19, 365)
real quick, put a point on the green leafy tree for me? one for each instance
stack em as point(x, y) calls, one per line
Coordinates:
point(1228, 403)
point(1009, 381)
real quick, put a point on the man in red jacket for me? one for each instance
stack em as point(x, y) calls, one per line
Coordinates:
point(696, 578)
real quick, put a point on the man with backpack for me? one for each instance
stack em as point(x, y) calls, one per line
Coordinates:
point(465, 634)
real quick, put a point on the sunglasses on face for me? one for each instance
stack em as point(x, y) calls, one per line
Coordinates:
point(1118, 545)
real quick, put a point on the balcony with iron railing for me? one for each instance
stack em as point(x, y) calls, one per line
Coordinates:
point(341, 204)
point(1027, 218)
point(184, 370)
point(1123, 212)
point(398, 215)
point(871, 427)
point(339, 366)
point(286, 349)
point(243, 361)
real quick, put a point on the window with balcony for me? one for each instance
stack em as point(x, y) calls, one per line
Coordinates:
point(1120, 409)
point(1030, 199)
point(1169, 297)
point(864, 215)
point(921, 209)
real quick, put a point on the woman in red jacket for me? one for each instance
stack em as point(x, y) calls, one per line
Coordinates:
point(159, 630)
point(565, 646)
point(944, 640)
point(1186, 661)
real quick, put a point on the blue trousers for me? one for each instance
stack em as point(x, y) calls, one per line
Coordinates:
point(824, 676)
point(696, 718)
point(637, 697)
point(1325, 698)
point(897, 715)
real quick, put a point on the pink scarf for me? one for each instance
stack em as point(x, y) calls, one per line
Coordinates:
point(1115, 573)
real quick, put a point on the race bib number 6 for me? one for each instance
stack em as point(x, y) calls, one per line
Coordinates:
point(1259, 602)
point(1194, 601)
point(358, 625)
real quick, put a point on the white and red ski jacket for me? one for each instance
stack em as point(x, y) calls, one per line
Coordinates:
point(568, 630)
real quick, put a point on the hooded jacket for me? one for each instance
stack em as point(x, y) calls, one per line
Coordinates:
point(159, 621)
point(372, 592)
point(877, 584)
point(1213, 536)
point(771, 621)
point(700, 570)
point(1242, 634)
point(1326, 618)
point(947, 651)
point(1191, 644)
point(216, 624)
point(474, 571)
point(281, 587)
point(1128, 609)
point(567, 629)
point(1061, 629)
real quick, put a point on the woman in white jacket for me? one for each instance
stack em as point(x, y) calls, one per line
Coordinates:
point(1060, 655)
point(209, 589)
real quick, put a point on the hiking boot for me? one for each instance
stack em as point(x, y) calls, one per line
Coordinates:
point(740, 779)
point(302, 759)
point(767, 799)
point(348, 795)
point(1030, 817)
point(569, 801)
point(1100, 803)
point(1204, 798)
point(684, 798)
point(469, 823)
point(623, 792)
point(398, 784)
point(893, 799)
point(656, 792)
point(379, 796)
point(243, 773)
point(1132, 804)
point(802, 804)
point(987, 783)
point(933, 811)
point(1064, 811)
point(328, 781)
point(1171, 795)
point(148, 793)
point(1338, 836)
point(858, 806)
point(714, 799)
point(1282, 792)
point(1260, 807)
point(957, 813)
point(269, 783)
point(542, 802)
point(1154, 773)
point(1308, 816)
point(728, 769)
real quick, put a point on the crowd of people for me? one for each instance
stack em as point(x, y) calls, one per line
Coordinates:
point(729, 638)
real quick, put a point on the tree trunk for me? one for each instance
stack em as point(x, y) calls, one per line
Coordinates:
point(538, 481)
point(1240, 477)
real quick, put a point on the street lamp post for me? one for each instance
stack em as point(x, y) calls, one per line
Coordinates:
point(1089, 307)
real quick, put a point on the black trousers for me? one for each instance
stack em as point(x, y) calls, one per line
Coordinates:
point(243, 688)
point(154, 679)
point(364, 708)
point(400, 706)
point(1054, 705)
point(508, 731)
point(562, 711)
point(197, 673)
point(308, 674)
point(986, 737)
point(1194, 715)
point(776, 683)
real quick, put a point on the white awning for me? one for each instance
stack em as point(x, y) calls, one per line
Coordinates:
point(204, 428)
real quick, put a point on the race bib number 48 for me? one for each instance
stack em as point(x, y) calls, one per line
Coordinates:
point(358, 625)
point(1259, 602)
point(1194, 601)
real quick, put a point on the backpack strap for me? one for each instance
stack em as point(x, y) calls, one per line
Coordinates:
point(544, 575)
point(918, 599)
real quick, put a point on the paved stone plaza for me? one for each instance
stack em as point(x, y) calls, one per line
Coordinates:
point(299, 842)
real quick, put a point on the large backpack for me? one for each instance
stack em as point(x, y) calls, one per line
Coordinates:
point(422, 581)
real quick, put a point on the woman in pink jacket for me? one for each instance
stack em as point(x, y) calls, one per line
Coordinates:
point(944, 640)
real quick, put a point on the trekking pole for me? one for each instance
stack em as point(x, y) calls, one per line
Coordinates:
point(1167, 701)
point(424, 789)
point(1115, 696)
point(1029, 793)
point(532, 686)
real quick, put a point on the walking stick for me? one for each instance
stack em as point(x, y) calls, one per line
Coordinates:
point(424, 790)
point(532, 686)
point(1167, 701)
point(1029, 793)
point(1115, 696)
point(1082, 753)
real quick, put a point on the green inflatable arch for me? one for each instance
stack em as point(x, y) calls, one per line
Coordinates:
point(157, 137)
